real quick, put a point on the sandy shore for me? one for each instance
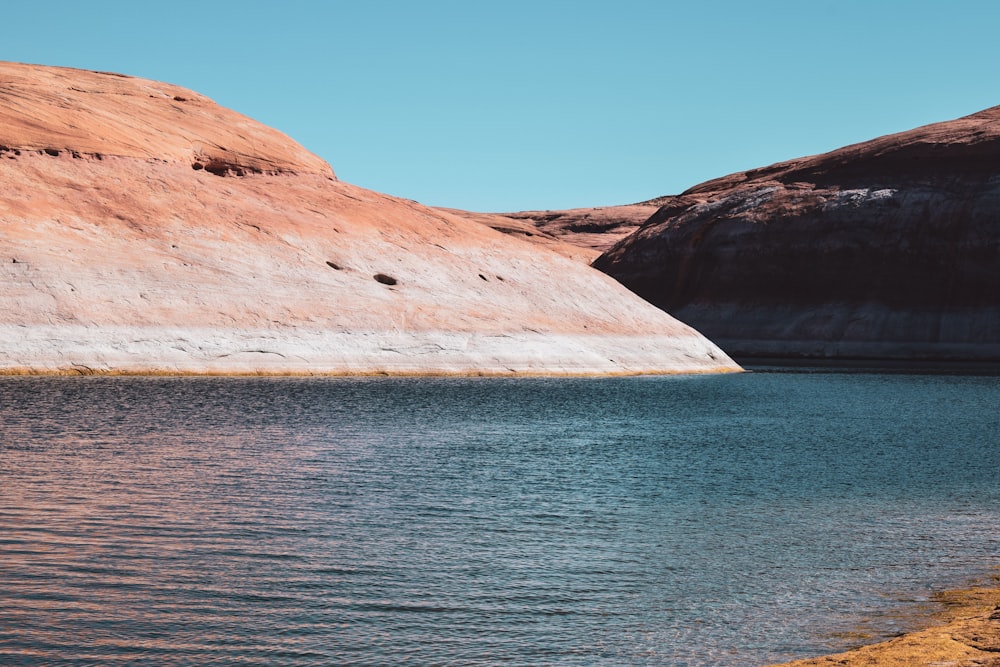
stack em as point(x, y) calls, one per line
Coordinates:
point(965, 633)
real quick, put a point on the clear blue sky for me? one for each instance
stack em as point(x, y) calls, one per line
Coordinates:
point(499, 106)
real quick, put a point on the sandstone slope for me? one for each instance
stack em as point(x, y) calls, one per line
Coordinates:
point(888, 249)
point(145, 229)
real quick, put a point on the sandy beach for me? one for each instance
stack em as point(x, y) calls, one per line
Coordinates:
point(965, 632)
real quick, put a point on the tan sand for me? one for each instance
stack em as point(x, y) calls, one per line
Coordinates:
point(965, 633)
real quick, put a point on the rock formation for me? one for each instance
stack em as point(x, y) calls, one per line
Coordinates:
point(145, 229)
point(525, 230)
point(580, 233)
point(888, 249)
point(58, 110)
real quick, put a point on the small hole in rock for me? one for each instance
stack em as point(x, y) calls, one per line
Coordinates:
point(178, 98)
point(482, 276)
point(384, 279)
point(500, 278)
point(336, 266)
point(52, 151)
point(197, 165)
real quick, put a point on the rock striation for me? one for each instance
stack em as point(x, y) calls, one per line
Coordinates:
point(888, 249)
point(145, 229)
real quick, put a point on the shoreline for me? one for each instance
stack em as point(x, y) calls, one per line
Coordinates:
point(964, 632)
point(944, 366)
point(73, 349)
point(91, 372)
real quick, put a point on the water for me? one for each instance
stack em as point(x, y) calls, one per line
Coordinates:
point(723, 520)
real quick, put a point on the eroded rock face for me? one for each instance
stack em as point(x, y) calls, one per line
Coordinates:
point(118, 254)
point(888, 249)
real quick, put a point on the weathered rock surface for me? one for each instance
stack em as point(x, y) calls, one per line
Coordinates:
point(888, 249)
point(145, 229)
point(55, 109)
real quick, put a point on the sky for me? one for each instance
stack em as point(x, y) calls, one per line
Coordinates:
point(546, 104)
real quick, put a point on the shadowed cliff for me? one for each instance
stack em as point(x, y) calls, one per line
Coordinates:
point(888, 249)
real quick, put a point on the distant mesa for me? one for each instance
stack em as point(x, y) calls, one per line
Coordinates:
point(888, 249)
point(582, 233)
point(149, 230)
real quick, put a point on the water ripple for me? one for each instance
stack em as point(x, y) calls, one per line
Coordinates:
point(653, 521)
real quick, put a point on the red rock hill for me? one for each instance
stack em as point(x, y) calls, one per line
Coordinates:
point(143, 228)
point(87, 113)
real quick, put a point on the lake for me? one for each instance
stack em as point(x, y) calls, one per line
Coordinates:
point(703, 520)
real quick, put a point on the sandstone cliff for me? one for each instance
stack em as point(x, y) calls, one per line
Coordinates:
point(888, 249)
point(143, 228)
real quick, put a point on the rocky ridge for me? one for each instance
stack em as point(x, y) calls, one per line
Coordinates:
point(145, 229)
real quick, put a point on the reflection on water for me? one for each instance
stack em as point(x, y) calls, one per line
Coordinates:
point(666, 521)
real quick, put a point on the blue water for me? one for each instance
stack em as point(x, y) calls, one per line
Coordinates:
point(715, 520)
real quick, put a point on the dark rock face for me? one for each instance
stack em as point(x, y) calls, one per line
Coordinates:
point(888, 249)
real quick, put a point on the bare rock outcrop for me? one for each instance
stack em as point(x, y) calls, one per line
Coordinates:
point(145, 229)
point(98, 114)
point(888, 249)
